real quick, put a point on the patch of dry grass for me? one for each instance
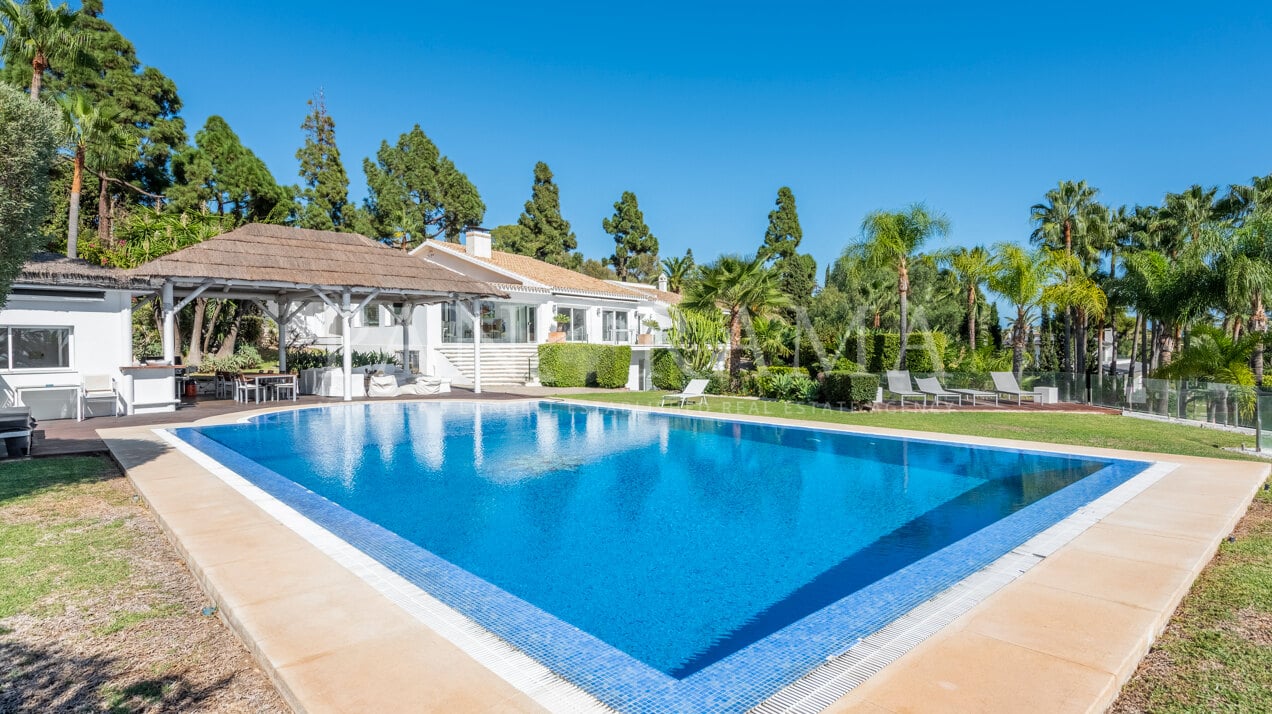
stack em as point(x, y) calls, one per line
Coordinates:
point(97, 613)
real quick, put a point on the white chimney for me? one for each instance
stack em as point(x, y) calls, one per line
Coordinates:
point(662, 282)
point(477, 243)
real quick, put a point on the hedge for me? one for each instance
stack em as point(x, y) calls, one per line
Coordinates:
point(850, 388)
point(883, 349)
point(579, 365)
point(665, 371)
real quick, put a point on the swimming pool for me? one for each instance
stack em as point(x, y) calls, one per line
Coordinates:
point(661, 562)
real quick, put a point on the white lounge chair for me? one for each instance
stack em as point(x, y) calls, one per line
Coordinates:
point(696, 389)
point(899, 385)
point(1005, 383)
point(98, 386)
point(932, 387)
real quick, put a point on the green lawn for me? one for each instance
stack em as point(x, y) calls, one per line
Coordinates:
point(1216, 655)
point(1110, 431)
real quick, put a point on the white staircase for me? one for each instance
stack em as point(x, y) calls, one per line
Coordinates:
point(500, 364)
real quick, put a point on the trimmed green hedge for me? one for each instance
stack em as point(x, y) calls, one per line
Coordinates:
point(666, 372)
point(579, 365)
point(883, 348)
point(850, 388)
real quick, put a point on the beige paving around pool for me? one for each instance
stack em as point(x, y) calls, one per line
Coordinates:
point(1064, 637)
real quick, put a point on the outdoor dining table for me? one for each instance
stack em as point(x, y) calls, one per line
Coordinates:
point(264, 380)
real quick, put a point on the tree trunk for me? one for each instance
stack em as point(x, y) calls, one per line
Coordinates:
point(903, 290)
point(195, 354)
point(38, 64)
point(103, 208)
point(1258, 324)
point(210, 332)
point(226, 350)
point(1080, 344)
point(1067, 352)
point(971, 316)
point(1130, 367)
point(735, 341)
point(1018, 343)
point(72, 221)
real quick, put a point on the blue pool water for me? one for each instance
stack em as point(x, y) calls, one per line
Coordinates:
point(677, 541)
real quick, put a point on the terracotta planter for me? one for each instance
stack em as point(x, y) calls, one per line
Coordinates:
point(645, 339)
point(556, 337)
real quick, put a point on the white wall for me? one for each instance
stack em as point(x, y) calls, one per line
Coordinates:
point(101, 343)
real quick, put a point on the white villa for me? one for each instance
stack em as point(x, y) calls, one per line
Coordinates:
point(512, 328)
point(68, 324)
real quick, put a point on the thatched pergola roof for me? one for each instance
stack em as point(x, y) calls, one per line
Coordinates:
point(55, 269)
point(281, 259)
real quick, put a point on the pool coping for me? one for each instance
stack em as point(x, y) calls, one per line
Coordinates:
point(826, 693)
point(774, 668)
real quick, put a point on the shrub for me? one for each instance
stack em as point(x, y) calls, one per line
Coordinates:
point(248, 357)
point(665, 371)
point(612, 366)
point(777, 383)
point(306, 359)
point(882, 350)
point(853, 389)
point(579, 365)
point(721, 382)
point(364, 359)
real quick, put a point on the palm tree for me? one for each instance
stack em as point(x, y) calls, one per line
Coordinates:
point(737, 285)
point(1241, 262)
point(972, 267)
point(94, 136)
point(892, 239)
point(1187, 213)
point(1242, 201)
point(1021, 277)
point(677, 271)
point(1063, 219)
point(1079, 294)
point(37, 32)
point(1216, 357)
point(772, 337)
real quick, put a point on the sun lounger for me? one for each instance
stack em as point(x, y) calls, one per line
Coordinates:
point(899, 385)
point(932, 386)
point(976, 393)
point(1005, 383)
point(696, 389)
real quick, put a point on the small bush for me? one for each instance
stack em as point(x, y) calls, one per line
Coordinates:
point(612, 366)
point(580, 365)
point(665, 371)
point(784, 383)
point(307, 359)
point(721, 382)
point(851, 388)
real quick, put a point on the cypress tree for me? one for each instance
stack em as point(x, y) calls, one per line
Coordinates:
point(541, 231)
point(325, 185)
point(797, 272)
point(30, 131)
point(632, 238)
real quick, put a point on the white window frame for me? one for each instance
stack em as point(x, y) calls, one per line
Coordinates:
point(70, 350)
point(379, 316)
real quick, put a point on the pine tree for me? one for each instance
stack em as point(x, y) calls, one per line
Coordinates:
point(417, 194)
point(222, 175)
point(147, 108)
point(632, 238)
point(797, 272)
point(325, 185)
point(541, 232)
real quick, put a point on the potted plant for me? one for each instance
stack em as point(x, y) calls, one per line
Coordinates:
point(647, 337)
point(561, 321)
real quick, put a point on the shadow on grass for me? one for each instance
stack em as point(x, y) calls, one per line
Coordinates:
point(26, 477)
point(37, 679)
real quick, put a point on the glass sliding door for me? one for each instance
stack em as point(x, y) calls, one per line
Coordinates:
point(501, 323)
point(576, 327)
point(614, 327)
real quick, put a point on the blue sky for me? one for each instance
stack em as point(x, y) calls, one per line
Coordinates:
point(705, 109)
